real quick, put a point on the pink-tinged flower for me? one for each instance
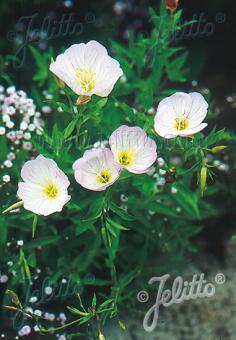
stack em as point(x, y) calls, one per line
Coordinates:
point(87, 69)
point(44, 190)
point(172, 5)
point(96, 170)
point(133, 149)
point(181, 115)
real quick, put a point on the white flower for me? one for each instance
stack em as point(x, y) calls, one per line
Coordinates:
point(23, 126)
point(96, 170)
point(2, 130)
point(11, 90)
point(20, 243)
point(44, 190)
point(27, 135)
point(11, 156)
point(48, 290)
point(31, 127)
point(3, 278)
point(27, 146)
point(33, 299)
point(10, 124)
point(160, 161)
point(181, 115)
point(133, 149)
point(6, 118)
point(87, 69)
point(8, 164)
point(6, 178)
point(46, 109)
point(38, 312)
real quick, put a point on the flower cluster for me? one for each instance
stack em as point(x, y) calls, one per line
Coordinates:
point(45, 187)
point(19, 119)
point(88, 70)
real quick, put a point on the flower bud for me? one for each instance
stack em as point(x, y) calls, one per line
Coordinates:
point(101, 336)
point(172, 5)
point(218, 148)
point(203, 178)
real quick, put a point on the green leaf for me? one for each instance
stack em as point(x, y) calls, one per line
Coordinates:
point(14, 298)
point(94, 301)
point(83, 226)
point(34, 225)
point(120, 212)
point(3, 230)
point(70, 128)
point(116, 225)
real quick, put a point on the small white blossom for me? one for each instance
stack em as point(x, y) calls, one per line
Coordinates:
point(49, 316)
point(6, 178)
point(151, 111)
point(62, 317)
point(38, 312)
point(27, 135)
point(26, 330)
point(36, 328)
point(62, 337)
point(11, 90)
point(10, 124)
point(6, 118)
point(46, 109)
point(8, 164)
point(11, 156)
point(162, 172)
point(48, 290)
point(23, 126)
point(20, 243)
point(3, 278)
point(33, 299)
point(160, 162)
point(10, 110)
point(174, 190)
point(2, 130)
point(123, 198)
point(161, 181)
point(27, 146)
point(151, 171)
point(31, 127)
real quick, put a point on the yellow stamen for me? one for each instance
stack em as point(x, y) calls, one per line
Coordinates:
point(126, 158)
point(181, 123)
point(86, 78)
point(104, 177)
point(51, 191)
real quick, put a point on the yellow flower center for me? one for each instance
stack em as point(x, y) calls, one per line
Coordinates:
point(104, 177)
point(181, 123)
point(51, 191)
point(126, 158)
point(85, 78)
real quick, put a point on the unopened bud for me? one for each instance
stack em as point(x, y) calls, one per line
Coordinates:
point(101, 336)
point(83, 100)
point(218, 148)
point(203, 178)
